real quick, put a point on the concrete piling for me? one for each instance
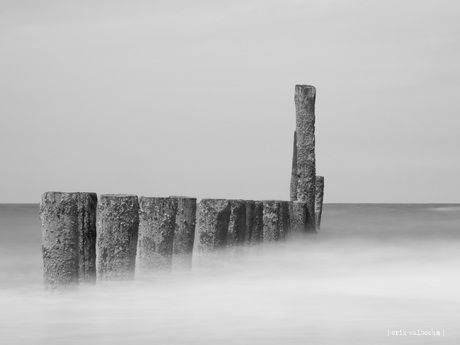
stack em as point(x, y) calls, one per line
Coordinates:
point(184, 233)
point(117, 234)
point(319, 200)
point(305, 97)
point(157, 221)
point(68, 238)
point(212, 226)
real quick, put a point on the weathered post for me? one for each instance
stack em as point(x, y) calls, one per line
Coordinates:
point(258, 223)
point(213, 220)
point(293, 190)
point(68, 238)
point(285, 222)
point(250, 206)
point(236, 227)
point(298, 217)
point(305, 96)
point(184, 233)
point(117, 233)
point(272, 220)
point(157, 220)
point(319, 200)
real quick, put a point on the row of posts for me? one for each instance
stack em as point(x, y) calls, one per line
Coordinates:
point(112, 238)
point(118, 236)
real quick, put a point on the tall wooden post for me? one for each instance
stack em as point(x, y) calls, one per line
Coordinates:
point(305, 96)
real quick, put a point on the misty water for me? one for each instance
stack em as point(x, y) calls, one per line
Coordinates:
point(372, 270)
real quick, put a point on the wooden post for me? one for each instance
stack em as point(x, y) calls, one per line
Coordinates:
point(250, 206)
point(319, 200)
point(285, 223)
point(258, 223)
point(236, 227)
point(184, 233)
point(293, 190)
point(68, 238)
point(117, 233)
point(305, 96)
point(213, 220)
point(298, 217)
point(157, 220)
point(272, 220)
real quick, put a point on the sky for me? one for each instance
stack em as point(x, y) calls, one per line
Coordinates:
point(196, 98)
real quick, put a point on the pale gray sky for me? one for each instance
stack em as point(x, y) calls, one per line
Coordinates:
point(196, 98)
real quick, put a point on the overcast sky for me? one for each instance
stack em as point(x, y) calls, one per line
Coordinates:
point(196, 98)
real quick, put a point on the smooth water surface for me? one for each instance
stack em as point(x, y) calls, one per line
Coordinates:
point(371, 271)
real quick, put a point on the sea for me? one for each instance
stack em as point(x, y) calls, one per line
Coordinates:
point(374, 274)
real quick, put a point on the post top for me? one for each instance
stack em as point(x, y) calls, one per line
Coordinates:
point(115, 196)
point(305, 86)
point(182, 197)
point(306, 90)
point(214, 200)
point(53, 195)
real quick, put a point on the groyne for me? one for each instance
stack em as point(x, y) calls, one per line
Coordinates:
point(120, 236)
